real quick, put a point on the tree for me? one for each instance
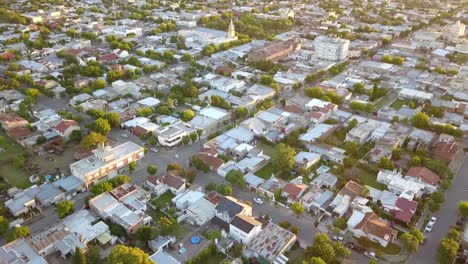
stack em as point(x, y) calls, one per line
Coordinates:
point(211, 186)
point(463, 208)
point(386, 163)
point(167, 225)
point(315, 260)
point(341, 223)
point(373, 261)
point(241, 112)
point(75, 135)
point(112, 118)
point(132, 166)
point(145, 234)
point(235, 177)
point(100, 126)
point(193, 136)
point(4, 224)
point(152, 169)
point(78, 257)
point(65, 208)
point(17, 232)
point(421, 120)
point(453, 234)
point(41, 140)
point(117, 230)
point(410, 242)
point(297, 208)
point(223, 189)
point(340, 250)
point(448, 249)
point(187, 115)
point(128, 255)
point(417, 234)
point(185, 139)
point(437, 197)
point(101, 188)
point(314, 92)
point(322, 248)
point(19, 161)
point(284, 161)
point(92, 139)
point(93, 255)
point(359, 88)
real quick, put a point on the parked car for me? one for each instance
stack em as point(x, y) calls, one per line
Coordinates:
point(258, 200)
point(124, 136)
point(338, 238)
point(430, 224)
point(154, 150)
point(370, 254)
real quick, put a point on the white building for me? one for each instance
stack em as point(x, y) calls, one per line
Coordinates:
point(244, 228)
point(107, 162)
point(452, 32)
point(331, 49)
point(201, 36)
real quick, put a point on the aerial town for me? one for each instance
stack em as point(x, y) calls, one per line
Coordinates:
point(233, 132)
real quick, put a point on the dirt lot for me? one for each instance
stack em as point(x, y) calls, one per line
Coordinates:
point(52, 163)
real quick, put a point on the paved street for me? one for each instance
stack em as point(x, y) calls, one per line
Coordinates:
point(447, 216)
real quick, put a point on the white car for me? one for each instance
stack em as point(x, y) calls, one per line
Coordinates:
point(258, 200)
point(430, 224)
point(124, 135)
point(154, 150)
point(370, 254)
point(338, 238)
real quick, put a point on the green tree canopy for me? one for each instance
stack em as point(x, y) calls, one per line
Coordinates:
point(128, 255)
point(78, 257)
point(17, 232)
point(152, 169)
point(284, 160)
point(65, 208)
point(235, 177)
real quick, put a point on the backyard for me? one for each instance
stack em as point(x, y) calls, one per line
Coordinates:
point(398, 103)
point(163, 200)
point(265, 172)
point(367, 178)
point(16, 176)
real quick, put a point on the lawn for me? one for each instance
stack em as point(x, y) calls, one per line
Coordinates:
point(398, 103)
point(382, 102)
point(163, 200)
point(390, 249)
point(14, 176)
point(265, 172)
point(11, 148)
point(296, 256)
point(268, 150)
point(156, 214)
point(363, 150)
point(215, 258)
point(337, 138)
point(367, 178)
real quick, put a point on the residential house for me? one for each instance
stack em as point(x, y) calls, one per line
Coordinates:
point(424, 175)
point(409, 188)
point(11, 120)
point(362, 131)
point(20, 251)
point(328, 152)
point(445, 147)
point(343, 199)
point(66, 127)
point(253, 182)
point(405, 210)
point(187, 198)
point(316, 200)
point(293, 192)
point(172, 181)
point(269, 187)
point(227, 208)
point(306, 159)
point(326, 180)
point(368, 224)
point(244, 228)
point(200, 212)
point(271, 244)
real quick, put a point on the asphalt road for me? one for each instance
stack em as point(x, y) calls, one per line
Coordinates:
point(446, 216)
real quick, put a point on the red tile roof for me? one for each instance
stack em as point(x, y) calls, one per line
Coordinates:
point(108, 57)
point(294, 190)
point(424, 174)
point(212, 161)
point(19, 132)
point(138, 130)
point(293, 109)
point(65, 124)
point(8, 55)
point(373, 224)
point(406, 210)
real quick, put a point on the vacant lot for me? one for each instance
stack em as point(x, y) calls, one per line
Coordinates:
point(163, 200)
point(17, 177)
point(265, 172)
point(397, 104)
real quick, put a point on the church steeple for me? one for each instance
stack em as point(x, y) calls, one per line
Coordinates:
point(231, 30)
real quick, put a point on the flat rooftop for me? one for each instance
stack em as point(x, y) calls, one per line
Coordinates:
point(104, 156)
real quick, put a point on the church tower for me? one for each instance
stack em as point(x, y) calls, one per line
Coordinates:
point(231, 30)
